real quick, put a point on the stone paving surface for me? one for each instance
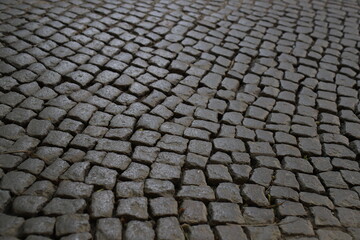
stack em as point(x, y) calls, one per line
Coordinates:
point(179, 119)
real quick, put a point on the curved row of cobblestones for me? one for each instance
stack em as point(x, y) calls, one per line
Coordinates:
point(179, 119)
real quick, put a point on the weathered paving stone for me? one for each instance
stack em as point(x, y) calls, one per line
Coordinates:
point(165, 172)
point(202, 231)
point(114, 146)
point(345, 164)
point(28, 205)
point(335, 150)
point(71, 189)
point(11, 131)
point(58, 138)
point(310, 146)
point(145, 137)
point(200, 147)
point(108, 228)
point(17, 182)
point(225, 213)
point(10, 225)
point(284, 150)
point(255, 194)
point(351, 177)
point(139, 229)
point(194, 177)
point(9, 161)
point(41, 188)
point(80, 77)
point(136, 171)
point(240, 173)
point(84, 235)
point(332, 234)
point(217, 173)
point(228, 192)
point(289, 208)
point(348, 217)
point(209, 103)
point(321, 164)
point(324, 217)
point(296, 225)
point(117, 161)
point(60, 206)
point(268, 232)
point(171, 158)
point(278, 192)
point(72, 223)
point(258, 215)
point(5, 198)
point(161, 188)
point(129, 189)
point(262, 176)
point(286, 178)
point(203, 192)
point(151, 122)
point(310, 183)
point(333, 179)
point(260, 148)
point(230, 232)
point(146, 155)
point(133, 208)
point(163, 206)
point(169, 228)
point(193, 212)
point(76, 172)
point(196, 161)
point(55, 170)
point(220, 158)
point(297, 164)
point(39, 225)
point(229, 144)
point(173, 143)
point(101, 176)
point(344, 198)
point(316, 199)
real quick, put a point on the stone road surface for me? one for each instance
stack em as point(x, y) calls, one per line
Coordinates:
point(179, 119)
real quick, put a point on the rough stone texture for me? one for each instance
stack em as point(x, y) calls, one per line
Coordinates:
point(102, 204)
point(28, 205)
point(108, 228)
point(139, 230)
point(179, 119)
point(225, 212)
point(230, 232)
point(73, 223)
point(102, 176)
point(201, 232)
point(163, 206)
point(39, 225)
point(169, 228)
point(10, 225)
point(59, 206)
point(133, 208)
point(296, 225)
point(193, 212)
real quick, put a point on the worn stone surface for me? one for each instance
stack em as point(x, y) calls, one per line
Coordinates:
point(139, 230)
point(108, 228)
point(179, 119)
point(72, 223)
point(169, 228)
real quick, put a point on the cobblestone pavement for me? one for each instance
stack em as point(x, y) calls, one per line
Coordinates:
point(179, 119)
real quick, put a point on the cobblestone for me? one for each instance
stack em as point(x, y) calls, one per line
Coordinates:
point(108, 228)
point(138, 229)
point(179, 120)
